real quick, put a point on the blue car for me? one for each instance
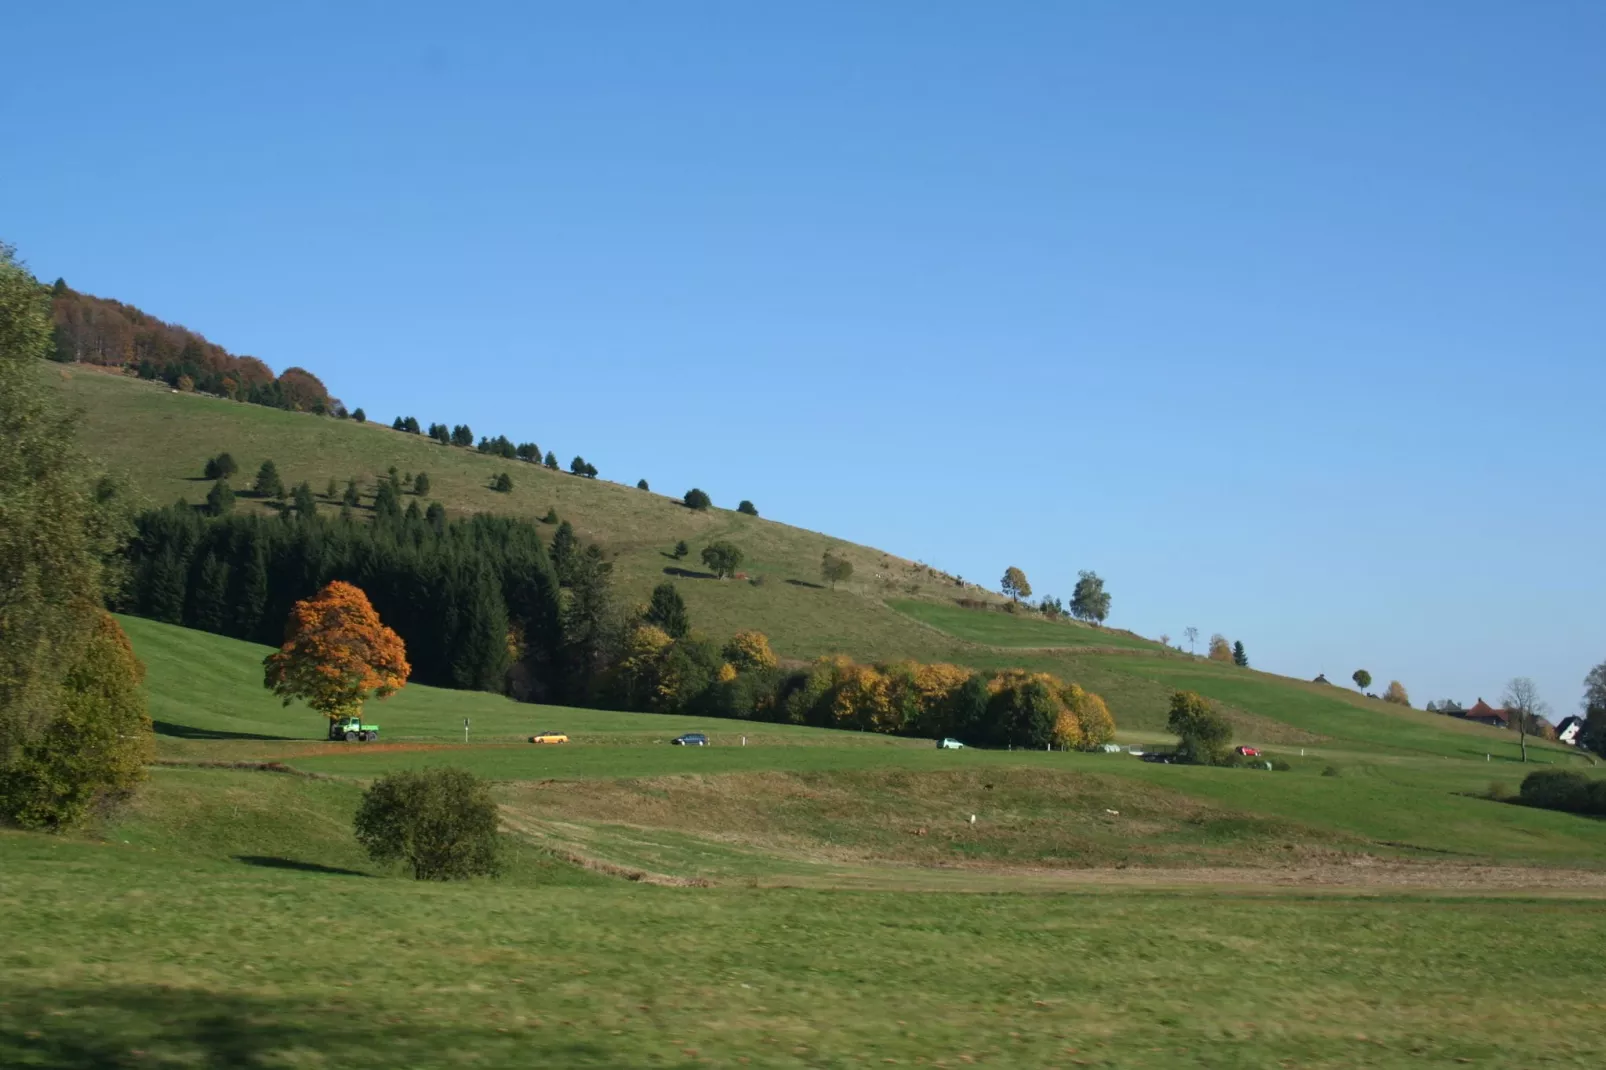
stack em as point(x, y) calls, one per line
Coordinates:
point(690, 739)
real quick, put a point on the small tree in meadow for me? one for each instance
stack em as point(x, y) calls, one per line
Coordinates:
point(1362, 678)
point(641, 484)
point(681, 550)
point(1240, 657)
point(421, 484)
point(221, 467)
point(1015, 584)
point(441, 822)
point(268, 484)
point(723, 557)
point(503, 483)
point(835, 569)
point(667, 611)
point(1220, 649)
point(220, 499)
point(1090, 601)
point(360, 416)
point(1396, 694)
point(551, 461)
point(747, 507)
point(697, 499)
point(336, 654)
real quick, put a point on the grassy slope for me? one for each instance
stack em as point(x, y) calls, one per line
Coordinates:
point(891, 609)
point(227, 918)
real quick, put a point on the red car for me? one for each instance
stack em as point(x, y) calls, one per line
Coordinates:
point(1249, 752)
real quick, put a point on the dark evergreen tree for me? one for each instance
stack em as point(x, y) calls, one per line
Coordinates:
point(209, 596)
point(221, 467)
point(747, 507)
point(641, 484)
point(220, 499)
point(528, 451)
point(421, 484)
point(681, 550)
point(565, 549)
point(353, 497)
point(306, 505)
point(387, 502)
point(578, 465)
point(551, 516)
point(251, 592)
point(268, 484)
point(359, 415)
point(440, 433)
point(1239, 657)
point(481, 659)
point(551, 460)
point(503, 483)
point(435, 517)
point(462, 435)
point(697, 499)
point(332, 491)
point(667, 610)
point(399, 424)
point(413, 513)
point(165, 586)
point(591, 630)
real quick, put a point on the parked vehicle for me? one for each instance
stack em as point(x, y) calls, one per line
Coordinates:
point(549, 737)
point(1249, 752)
point(1163, 759)
point(949, 743)
point(690, 739)
point(352, 730)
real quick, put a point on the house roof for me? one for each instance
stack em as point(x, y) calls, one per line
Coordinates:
point(1482, 711)
point(1568, 722)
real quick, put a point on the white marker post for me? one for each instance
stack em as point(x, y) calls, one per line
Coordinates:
point(465, 730)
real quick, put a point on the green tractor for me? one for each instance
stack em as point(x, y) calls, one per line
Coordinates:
point(352, 730)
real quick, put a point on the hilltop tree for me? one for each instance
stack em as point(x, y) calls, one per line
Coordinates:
point(551, 461)
point(268, 484)
point(747, 507)
point(577, 466)
point(723, 557)
point(441, 822)
point(336, 654)
point(834, 569)
point(441, 433)
point(1203, 735)
point(1396, 694)
point(1165, 640)
point(1362, 678)
point(421, 484)
point(220, 499)
point(1240, 657)
point(667, 611)
point(221, 467)
point(641, 484)
point(462, 435)
point(1593, 737)
point(1015, 584)
point(1220, 649)
point(1193, 636)
point(358, 415)
point(1090, 602)
point(1522, 698)
point(696, 499)
point(528, 451)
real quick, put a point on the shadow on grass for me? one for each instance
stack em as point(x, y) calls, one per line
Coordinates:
point(184, 731)
point(93, 1028)
point(275, 862)
point(688, 574)
point(806, 583)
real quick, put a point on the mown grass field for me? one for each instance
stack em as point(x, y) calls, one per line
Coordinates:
point(815, 899)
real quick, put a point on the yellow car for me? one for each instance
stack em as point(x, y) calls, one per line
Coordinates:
point(549, 737)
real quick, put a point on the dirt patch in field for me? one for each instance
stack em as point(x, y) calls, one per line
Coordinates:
point(1363, 872)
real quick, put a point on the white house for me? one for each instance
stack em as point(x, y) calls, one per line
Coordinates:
point(1568, 731)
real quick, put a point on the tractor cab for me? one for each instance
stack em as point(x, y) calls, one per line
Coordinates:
point(352, 730)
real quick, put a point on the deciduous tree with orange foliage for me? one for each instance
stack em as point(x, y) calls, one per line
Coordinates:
point(337, 654)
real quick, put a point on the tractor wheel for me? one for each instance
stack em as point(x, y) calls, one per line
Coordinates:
point(362, 737)
point(351, 737)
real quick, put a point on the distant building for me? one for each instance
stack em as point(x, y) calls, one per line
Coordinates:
point(1483, 713)
point(1321, 678)
point(1568, 731)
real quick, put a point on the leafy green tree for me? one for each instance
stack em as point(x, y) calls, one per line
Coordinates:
point(528, 451)
point(1203, 735)
point(305, 503)
point(696, 499)
point(723, 557)
point(220, 499)
point(421, 484)
point(221, 467)
point(551, 461)
point(462, 435)
point(835, 570)
point(268, 484)
point(1240, 657)
point(442, 823)
point(1362, 678)
point(578, 465)
point(1023, 715)
point(1090, 601)
point(641, 484)
point(667, 610)
point(503, 483)
point(1015, 584)
point(747, 507)
point(360, 416)
point(970, 706)
point(681, 550)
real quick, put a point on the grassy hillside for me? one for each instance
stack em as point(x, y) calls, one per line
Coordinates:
point(891, 608)
point(804, 901)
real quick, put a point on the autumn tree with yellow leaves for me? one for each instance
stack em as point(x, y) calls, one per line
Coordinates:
point(336, 654)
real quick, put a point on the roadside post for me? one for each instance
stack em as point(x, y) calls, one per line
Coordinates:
point(465, 730)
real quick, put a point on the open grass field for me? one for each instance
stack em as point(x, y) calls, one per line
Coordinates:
point(814, 899)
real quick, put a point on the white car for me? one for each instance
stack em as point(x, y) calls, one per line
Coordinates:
point(949, 744)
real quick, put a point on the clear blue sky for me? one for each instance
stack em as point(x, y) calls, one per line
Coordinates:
point(1289, 319)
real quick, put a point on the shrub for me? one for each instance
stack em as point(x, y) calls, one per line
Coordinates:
point(641, 484)
point(441, 822)
point(551, 516)
point(360, 416)
point(221, 467)
point(503, 483)
point(1332, 770)
point(421, 484)
point(1499, 791)
point(723, 557)
point(681, 549)
point(1396, 694)
point(1564, 789)
point(747, 507)
point(696, 499)
point(1202, 733)
point(1220, 649)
